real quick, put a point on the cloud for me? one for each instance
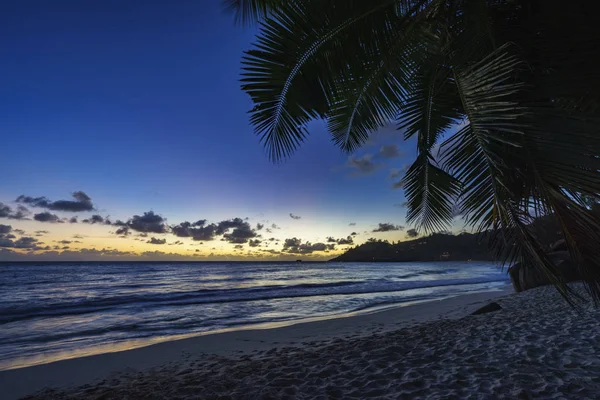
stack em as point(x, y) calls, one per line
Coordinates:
point(157, 241)
point(293, 216)
point(395, 173)
point(123, 231)
point(348, 240)
point(254, 243)
point(259, 226)
point(7, 212)
point(353, 234)
point(275, 226)
point(352, 224)
point(22, 243)
point(362, 165)
point(295, 245)
point(226, 225)
point(412, 233)
point(241, 234)
point(235, 230)
point(94, 219)
point(271, 251)
point(47, 217)
point(195, 230)
point(398, 185)
point(82, 202)
point(147, 223)
point(387, 227)
point(65, 242)
point(341, 241)
point(4, 229)
point(389, 151)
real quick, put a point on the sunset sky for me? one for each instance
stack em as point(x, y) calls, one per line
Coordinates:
point(129, 117)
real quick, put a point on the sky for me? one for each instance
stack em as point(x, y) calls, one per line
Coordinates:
point(125, 136)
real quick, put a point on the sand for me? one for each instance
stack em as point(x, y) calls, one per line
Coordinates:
point(535, 347)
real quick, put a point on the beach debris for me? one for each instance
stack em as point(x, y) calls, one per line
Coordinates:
point(491, 307)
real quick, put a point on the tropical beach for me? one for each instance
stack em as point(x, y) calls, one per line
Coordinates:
point(535, 346)
point(311, 199)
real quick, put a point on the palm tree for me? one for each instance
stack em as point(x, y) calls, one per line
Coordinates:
point(513, 83)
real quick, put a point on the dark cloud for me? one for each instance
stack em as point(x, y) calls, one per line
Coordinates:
point(123, 231)
point(348, 240)
point(341, 241)
point(78, 236)
point(353, 234)
point(254, 243)
point(157, 241)
point(65, 242)
point(47, 217)
point(238, 246)
point(7, 212)
point(41, 233)
point(352, 224)
point(148, 223)
point(19, 231)
point(274, 226)
point(412, 233)
point(4, 229)
point(196, 230)
point(295, 245)
point(94, 219)
point(362, 165)
point(73, 220)
point(241, 233)
point(387, 227)
point(226, 225)
point(22, 243)
point(22, 212)
point(82, 202)
point(294, 216)
point(235, 230)
point(259, 226)
point(389, 151)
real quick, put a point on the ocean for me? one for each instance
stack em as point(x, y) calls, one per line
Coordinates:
point(52, 311)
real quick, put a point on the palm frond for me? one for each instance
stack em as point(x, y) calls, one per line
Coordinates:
point(293, 66)
point(247, 12)
point(430, 193)
point(361, 104)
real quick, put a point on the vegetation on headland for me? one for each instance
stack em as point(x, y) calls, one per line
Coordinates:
point(443, 246)
point(502, 96)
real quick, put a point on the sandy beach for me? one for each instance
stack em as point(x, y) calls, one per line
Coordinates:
point(535, 347)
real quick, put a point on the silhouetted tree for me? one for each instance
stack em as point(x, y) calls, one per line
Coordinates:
point(515, 83)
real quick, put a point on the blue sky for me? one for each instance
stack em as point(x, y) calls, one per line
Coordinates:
point(138, 105)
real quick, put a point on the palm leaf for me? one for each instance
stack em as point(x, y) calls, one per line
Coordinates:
point(250, 11)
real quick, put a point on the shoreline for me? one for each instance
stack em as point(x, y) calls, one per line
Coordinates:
point(306, 333)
